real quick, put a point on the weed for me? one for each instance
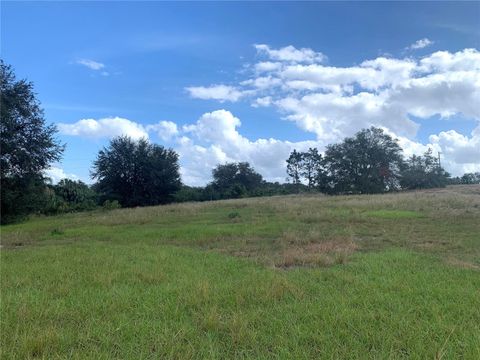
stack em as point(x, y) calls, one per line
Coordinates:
point(57, 231)
point(233, 215)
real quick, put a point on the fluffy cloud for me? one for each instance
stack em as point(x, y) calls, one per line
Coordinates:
point(267, 66)
point(329, 101)
point(164, 129)
point(420, 44)
point(444, 61)
point(290, 54)
point(214, 139)
point(91, 64)
point(459, 149)
point(215, 92)
point(333, 102)
point(211, 140)
point(56, 174)
point(106, 127)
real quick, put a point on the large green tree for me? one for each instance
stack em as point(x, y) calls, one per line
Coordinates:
point(423, 172)
point(233, 180)
point(369, 162)
point(28, 147)
point(470, 178)
point(137, 173)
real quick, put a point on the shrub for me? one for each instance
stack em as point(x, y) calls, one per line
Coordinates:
point(111, 205)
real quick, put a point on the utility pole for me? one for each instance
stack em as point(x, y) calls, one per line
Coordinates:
point(439, 163)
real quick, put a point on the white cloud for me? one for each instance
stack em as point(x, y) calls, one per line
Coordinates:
point(420, 44)
point(265, 82)
point(91, 64)
point(164, 129)
point(333, 102)
point(444, 61)
point(267, 66)
point(262, 102)
point(56, 174)
point(290, 54)
point(215, 92)
point(445, 94)
point(214, 139)
point(106, 127)
point(459, 149)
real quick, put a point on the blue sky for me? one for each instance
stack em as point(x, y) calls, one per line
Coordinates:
point(140, 62)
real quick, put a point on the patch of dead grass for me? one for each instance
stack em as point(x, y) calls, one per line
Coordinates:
point(320, 254)
point(462, 264)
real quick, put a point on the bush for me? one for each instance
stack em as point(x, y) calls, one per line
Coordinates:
point(111, 205)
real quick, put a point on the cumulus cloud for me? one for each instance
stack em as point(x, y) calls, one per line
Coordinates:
point(333, 102)
point(420, 44)
point(164, 129)
point(267, 66)
point(290, 54)
point(215, 92)
point(106, 127)
point(91, 64)
point(214, 139)
point(445, 61)
point(459, 149)
point(56, 174)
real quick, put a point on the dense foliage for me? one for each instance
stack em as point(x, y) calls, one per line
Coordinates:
point(28, 146)
point(69, 196)
point(370, 162)
point(422, 172)
point(235, 180)
point(136, 173)
point(466, 179)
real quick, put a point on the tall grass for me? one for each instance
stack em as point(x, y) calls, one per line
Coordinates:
point(307, 277)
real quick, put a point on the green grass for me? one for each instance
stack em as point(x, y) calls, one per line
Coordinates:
point(304, 277)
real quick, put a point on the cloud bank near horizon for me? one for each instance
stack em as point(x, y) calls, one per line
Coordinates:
point(328, 101)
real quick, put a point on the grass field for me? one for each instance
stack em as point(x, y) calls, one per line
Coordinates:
point(296, 277)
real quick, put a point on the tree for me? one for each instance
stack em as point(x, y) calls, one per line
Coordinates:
point(234, 180)
point(369, 162)
point(294, 167)
point(28, 147)
point(310, 166)
point(75, 195)
point(422, 172)
point(470, 178)
point(136, 173)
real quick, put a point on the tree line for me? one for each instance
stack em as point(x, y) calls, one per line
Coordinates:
point(130, 173)
point(370, 162)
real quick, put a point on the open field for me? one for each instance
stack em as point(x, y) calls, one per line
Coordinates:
point(294, 277)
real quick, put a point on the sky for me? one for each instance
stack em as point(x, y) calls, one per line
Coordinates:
point(251, 81)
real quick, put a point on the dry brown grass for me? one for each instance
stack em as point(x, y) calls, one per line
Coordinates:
point(316, 254)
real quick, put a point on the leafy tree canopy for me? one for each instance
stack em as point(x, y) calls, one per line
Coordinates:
point(235, 179)
point(369, 162)
point(422, 172)
point(28, 146)
point(137, 173)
